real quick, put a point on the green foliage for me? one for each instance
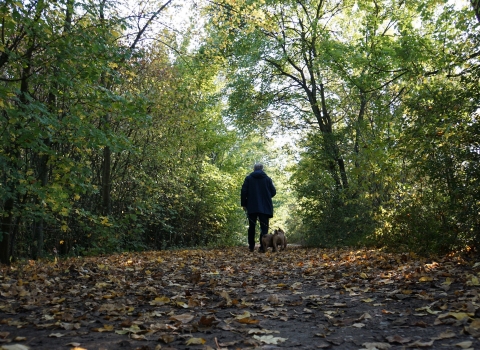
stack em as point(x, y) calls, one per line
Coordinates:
point(329, 218)
point(107, 148)
point(389, 102)
point(107, 145)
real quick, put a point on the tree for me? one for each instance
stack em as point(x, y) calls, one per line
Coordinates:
point(349, 70)
point(54, 56)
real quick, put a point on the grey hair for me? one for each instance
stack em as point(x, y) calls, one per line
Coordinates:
point(258, 166)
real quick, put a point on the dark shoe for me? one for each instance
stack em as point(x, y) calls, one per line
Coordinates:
point(261, 250)
point(251, 249)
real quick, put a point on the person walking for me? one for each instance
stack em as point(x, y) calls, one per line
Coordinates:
point(256, 199)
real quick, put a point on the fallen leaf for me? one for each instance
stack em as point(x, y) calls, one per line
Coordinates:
point(464, 344)
point(421, 344)
point(474, 328)
point(358, 325)
point(339, 304)
point(226, 297)
point(474, 281)
point(138, 337)
point(14, 347)
point(273, 299)
point(160, 301)
point(269, 339)
point(425, 279)
point(458, 315)
point(56, 335)
point(261, 331)
point(246, 314)
point(365, 316)
point(446, 335)
point(448, 281)
point(195, 341)
point(166, 338)
point(376, 346)
point(398, 339)
point(184, 318)
point(248, 320)
point(207, 321)
point(20, 339)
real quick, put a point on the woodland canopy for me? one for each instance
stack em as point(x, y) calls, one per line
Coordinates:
point(128, 127)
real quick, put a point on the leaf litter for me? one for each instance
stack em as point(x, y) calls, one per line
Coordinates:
point(233, 299)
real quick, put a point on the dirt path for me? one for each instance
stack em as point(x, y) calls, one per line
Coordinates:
point(234, 299)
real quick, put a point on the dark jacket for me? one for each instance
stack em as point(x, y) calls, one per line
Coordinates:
point(257, 192)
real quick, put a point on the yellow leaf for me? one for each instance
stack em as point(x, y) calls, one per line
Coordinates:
point(474, 281)
point(368, 300)
point(425, 279)
point(160, 300)
point(181, 304)
point(105, 221)
point(244, 315)
point(448, 281)
point(108, 327)
point(133, 329)
point(195, 341)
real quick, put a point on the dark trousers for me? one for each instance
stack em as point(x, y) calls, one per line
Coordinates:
point(252, 221)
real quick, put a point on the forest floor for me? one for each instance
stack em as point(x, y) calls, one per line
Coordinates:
point(232, 299)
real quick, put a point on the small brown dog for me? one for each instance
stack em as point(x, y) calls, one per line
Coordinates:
point(276, 241)
point(279, 240)
point(267, 241)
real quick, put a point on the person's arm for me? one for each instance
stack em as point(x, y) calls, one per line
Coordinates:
point(273, 191)
point(244, 194)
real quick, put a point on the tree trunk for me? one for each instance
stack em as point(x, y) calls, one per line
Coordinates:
point(38, 225)
point(42, 163)
point(476, 8)
point(106, 181)
point(6, 227)
point(331, 146)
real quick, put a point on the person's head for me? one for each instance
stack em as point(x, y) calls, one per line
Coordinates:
point(258, 166)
